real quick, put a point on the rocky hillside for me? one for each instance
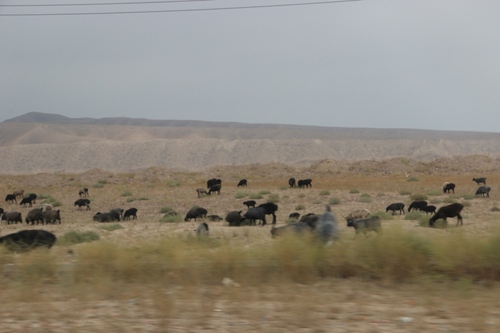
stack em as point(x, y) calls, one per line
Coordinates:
point(39, 142)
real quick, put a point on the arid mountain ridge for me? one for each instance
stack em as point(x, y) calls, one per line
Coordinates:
point(40, 142)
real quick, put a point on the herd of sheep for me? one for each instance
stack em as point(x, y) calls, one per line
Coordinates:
point(324, 226)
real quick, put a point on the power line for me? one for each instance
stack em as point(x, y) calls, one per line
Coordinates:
point(103, 3)
point(186, 10)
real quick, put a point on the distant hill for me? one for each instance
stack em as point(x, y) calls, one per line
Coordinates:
point(39, 142)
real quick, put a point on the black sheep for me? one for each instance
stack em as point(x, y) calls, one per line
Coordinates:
point(452, 210)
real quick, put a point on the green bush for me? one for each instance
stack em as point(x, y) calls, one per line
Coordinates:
point(126, 194)
point(274, 198)
point(102, 181)
point(495, 209)
point(241, 194)
point(334, 201)
point(255, 196)
point(469, 196)
point(98, 185)
point(413, 215)
point(173, 183)
point(404, 192)
point(365, 199)
point(111, 227)
point(324, 192)
point(418, 197)
point(56, 204)
point(435, 192)
point(131, 199)
point(300, 207)
point(166, 209)
point(383, 215)
point(264, 192)
point(171, 218)
point(353, 191)
point(365, 195)
point(77, 237)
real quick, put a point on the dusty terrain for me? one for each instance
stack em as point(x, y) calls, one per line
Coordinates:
point(150, 167)
point(319, 305)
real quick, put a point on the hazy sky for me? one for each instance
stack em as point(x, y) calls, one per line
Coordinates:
point(428, 64)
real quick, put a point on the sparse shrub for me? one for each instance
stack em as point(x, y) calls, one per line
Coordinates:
point(56, 204)
point(300, 207)
point(166, 209)
point(285, 196)
point(255, 196)
point(404, 192)
point(77, 237)
point(353, 191)
point(466, 203)
point(424, 222)
point(324, 192)
point(173, 183)
point(383, 215)
point(413, 215)
point(241, 194)
point(274, 198)
point(111, 227)
point(131, 199)
point(495, 209)
point(126, 194)
point(264, 192)
point(469, 196)
point(282, 187)
point(317, 201)
point(365, 195)
point(365, 199)
point(302, 195)
point(334, 201)
point(143, 198)
point(102, 182)
point(98, 185)
point(435, 192)
point(171, 218)
point(435, 201)
point(412, 179)
point(449, 200)
point(418, 197)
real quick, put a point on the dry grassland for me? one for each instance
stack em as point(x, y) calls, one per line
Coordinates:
point(152, 276)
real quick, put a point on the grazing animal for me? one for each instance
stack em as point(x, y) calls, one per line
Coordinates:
point(115, 214)
point(201, 191)
point(398, 206)
point(371, 223)
point(215, 188)
point(358, 214)
point(305, 183)
point(103, 217)
point(12, 217)
point(1, 211)
point(242, 183)
point(27, 201)
point(18, 193)
point(52, 216)
point(34, 215)
point(481, 180)
point(202, 230)
point(119, 210)
point(428, 209)
point(447, 187)
point(256, 213)
point(234, 218)
point(452, 210)
point(82, 202)
point(11, 198)
point(33, 197)
point(214, 218)
point(249, 203)
point(294, 216)
point(326, 228)
point(291, 182)
point(131, 212)
point(269, 209)
point(484, 190)
point(417, 205)
point(213, 181)
point(28, 239)
point(83, 192)
point(299, 228)
point(195, 212)
point(310, 219)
